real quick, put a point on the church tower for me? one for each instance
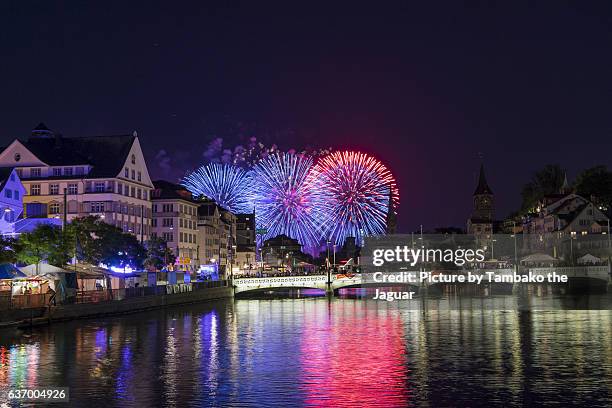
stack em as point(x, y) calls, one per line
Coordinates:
point(481, 221)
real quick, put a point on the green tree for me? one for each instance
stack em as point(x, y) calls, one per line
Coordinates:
point(546, 181)
point(44, 243)
point(158, 254)
point(96, 241)
point(596, 183)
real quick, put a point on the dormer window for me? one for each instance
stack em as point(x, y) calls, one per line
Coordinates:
point(57, 172)
point(67, 171)
point(35, 172)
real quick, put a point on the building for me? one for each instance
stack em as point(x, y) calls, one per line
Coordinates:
point(175, 219)
point(105, 176)
point(283, 253)
point(11, 199)
point(245, 243)
point(216, 237)
point(564, 217)
point(481, 222)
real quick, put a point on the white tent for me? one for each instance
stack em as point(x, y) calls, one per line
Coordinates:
point(539, 258)
point(42, 270)
point(588, 259)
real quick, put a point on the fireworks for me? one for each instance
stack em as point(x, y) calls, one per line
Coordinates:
point(346, 194)
point(354, 192)
point(228, 185)
point(285, 198)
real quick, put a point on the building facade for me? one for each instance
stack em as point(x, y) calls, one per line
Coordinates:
point(175, 219)
point(67, 178)
point(11, 200)
point(245, 243)
point(567, 220)
point(216, 237)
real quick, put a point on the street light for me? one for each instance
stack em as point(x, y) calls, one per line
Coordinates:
point(492, 254)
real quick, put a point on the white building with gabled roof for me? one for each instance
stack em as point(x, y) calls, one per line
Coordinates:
point(105, 176)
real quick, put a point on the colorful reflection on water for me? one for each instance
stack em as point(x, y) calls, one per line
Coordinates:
point(319, 352)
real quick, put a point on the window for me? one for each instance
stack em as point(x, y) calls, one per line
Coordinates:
point(20, 173)
point(99, 186)
point(80, 171)
point(17, 157)
point(168, 222)
point(73, 188)
point(139, 193)
point(132, 191)
point(57, 172)
point(168, 237)
point(35, 172)
point(154, 208)
point(139, 176)
point(54, 208)
point(35, 189)
point(133, 159)
point(154, 222)
point(54, 189)
point(8, 193)
point(16, 195)
point(67, 171)
point(126, 173)
point(97, 207)
point(144, 194)
point(133, 175)
point(119, 188)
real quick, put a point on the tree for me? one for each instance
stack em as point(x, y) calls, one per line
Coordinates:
point(596, 183)
point(95, 242)
point(544, 182)
point(44, 243)
point(158, 254)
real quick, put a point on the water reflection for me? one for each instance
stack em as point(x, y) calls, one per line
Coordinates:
point(320, 352)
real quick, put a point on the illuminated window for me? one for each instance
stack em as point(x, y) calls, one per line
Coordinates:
point(54, 208)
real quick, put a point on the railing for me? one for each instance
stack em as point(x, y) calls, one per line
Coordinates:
point(596, 272)
point(104, 295)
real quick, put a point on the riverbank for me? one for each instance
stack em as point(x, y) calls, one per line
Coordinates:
point(51, 314)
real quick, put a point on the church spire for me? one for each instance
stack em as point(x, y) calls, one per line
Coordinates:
point(565, 188)
point(482, 187)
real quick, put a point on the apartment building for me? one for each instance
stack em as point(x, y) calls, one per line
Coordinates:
point(175, 219)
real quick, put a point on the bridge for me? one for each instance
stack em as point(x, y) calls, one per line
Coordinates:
point(338, 281)
point(600, 275)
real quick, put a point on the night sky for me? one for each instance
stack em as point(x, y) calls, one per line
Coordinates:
point(426, 90)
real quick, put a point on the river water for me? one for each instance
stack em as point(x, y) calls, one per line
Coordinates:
point(316, 351)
